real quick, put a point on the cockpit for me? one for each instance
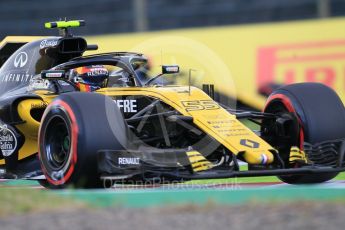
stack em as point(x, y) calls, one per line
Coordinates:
point(90, 73)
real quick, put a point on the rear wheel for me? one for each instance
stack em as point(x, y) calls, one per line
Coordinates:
point(320, 115)
point(74, 128)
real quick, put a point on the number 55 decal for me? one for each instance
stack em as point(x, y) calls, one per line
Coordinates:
point(200, 105)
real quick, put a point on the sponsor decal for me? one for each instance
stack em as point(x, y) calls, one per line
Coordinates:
point(249, 143)
point(321, 61)
point(8, 141)
point(128, 106)
point(39, 84)
point(54, 75)
point(97, 71)
point(40, 105)
point(170, 69)
point(20, 60)
point(221, 122)
point(128, 161)
point(48, 43)
point(200, 105)
point(264, 159)
point(16, 77)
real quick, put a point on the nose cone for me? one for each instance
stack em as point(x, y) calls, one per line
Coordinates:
point(258, 157)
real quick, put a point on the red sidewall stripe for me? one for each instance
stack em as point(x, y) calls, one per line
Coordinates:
point(289, 106)
point(74, 143)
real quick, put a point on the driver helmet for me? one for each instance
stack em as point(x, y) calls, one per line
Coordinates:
point(90, 78)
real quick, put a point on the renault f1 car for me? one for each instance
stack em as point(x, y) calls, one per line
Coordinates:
point(135, 127)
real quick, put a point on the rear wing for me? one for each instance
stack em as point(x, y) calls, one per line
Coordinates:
point(12, 43)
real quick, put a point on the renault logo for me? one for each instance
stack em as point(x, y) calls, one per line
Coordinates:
point(20, 60)
point(249, 143)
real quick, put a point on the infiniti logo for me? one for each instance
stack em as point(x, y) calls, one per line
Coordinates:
point(20, 60)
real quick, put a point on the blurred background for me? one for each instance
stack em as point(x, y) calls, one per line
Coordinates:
point(256, 45)
point(22, 17)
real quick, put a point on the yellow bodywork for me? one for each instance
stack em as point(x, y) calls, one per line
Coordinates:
point(30, 126)
point(207, 115)
point(198, 161)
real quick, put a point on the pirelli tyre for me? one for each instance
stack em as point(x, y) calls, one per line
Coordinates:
point(74, 127)
point(321, 117)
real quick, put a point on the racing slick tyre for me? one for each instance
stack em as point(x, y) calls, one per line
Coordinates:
point(320, 115)
point(74, 127)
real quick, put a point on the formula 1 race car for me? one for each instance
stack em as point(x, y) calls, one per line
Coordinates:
point(87, 121)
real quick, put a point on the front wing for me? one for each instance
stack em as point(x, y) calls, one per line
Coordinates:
point(178, 165)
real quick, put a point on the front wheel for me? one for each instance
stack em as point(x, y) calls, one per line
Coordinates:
point(74, 127)
point(321, 117)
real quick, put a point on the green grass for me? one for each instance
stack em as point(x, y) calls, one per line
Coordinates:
point(341, 176)
point(263, 179)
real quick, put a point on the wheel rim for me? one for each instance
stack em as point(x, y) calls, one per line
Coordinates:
point(57, 143)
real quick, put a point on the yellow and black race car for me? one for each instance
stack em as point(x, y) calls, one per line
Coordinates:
point(90, 121)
